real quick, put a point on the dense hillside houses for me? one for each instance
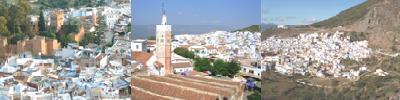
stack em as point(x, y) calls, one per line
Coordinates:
point(157, 66)
point(318, 54)
point(64, 58)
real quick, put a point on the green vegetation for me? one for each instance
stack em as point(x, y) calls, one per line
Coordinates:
point(97, 36)
point(151, 37)
point(349, 63)
point(218, 67)
point(391, 64)
point(42, 22)
point(252, 28)
point(64, 39)
point(184, 52)
point(202, 64)
point(16, 38)
point(90, 37)
point(3, 26)
point(357, 36)
point(49, 34)
point(14, 21)
point(290, 32)
point(70, 3)
point(367, 87)
point(348, 16)
point(129, 27)
point(255, 96)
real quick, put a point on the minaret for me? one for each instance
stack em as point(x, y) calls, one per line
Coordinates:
point(163, 42)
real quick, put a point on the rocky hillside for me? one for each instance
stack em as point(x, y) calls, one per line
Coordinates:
point(252, 28)
point(379, 19)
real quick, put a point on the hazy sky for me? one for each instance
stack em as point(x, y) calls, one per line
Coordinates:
point(198, 12)
point(301, 12)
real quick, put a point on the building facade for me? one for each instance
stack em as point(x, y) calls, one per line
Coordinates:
point(163, 42)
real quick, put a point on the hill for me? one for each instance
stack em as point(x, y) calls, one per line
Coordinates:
point(378, 19)
point(252, 28)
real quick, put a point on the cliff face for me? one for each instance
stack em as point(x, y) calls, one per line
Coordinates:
point(383, 16)
point(379, 18)
point(383, 22)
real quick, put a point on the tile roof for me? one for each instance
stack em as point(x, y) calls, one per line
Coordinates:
point(141, 56)
point(184, 87)
point(181, 64)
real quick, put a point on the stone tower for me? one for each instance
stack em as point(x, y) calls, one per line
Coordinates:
point(163, 42)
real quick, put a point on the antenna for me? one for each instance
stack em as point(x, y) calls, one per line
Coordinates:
point(164, 17)
point(163, 7)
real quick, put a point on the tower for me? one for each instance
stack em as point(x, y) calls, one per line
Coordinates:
point(163, 42)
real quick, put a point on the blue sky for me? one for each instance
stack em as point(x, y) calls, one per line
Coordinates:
point(302, 12)
point(198, 12)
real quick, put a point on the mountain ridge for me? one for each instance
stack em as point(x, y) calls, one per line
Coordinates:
point(378, 19)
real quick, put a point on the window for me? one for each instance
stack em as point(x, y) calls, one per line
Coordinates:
point(137, 46)
point(251, 71)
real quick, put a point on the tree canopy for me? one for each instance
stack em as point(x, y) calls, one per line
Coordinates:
point(184, 52)
point(218, 67)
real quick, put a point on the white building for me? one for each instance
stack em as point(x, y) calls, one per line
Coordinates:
point(112, 15)
point(200, 51)
point(139, 45)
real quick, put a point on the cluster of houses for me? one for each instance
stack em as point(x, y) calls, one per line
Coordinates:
point(116, 16)
point(240, 46)
point(156, 67)
point(41, 69)
point(71, 73)
point(318, 54)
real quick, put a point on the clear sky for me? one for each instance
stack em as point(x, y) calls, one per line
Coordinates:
point(302, 12)
point(198, 12)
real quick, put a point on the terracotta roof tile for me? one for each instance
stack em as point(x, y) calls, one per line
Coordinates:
point(142, 57)
point(181, 64)
point(188, 88)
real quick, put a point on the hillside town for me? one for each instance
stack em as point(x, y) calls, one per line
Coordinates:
point(316, 54)
point(241, 46)
point(49, 66)
point(179, 65)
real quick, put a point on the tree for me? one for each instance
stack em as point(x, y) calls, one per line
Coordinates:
point(26, 28)
point(129, 27)
point(3, 26)
point(42, 22)
point(101, 24)
point(3, 10)
point(74, 21)
point(49, 34)
point(18, 17)
point(101, 2)
point(65, 39)
point(233, 68)
point(184, 52)
point(90, 38)
point(202, 64)
point(24, 6)
point(220, 68)
point(151, 37)
point(17, 37)
point(13, 20)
